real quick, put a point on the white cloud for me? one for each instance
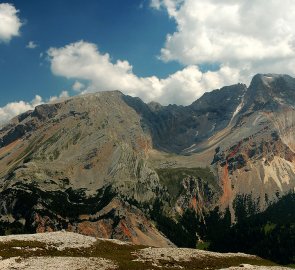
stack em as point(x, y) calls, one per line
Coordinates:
point(36, 101)
point(83, 61)
point(78, 86)
point(155, 4)
point(31, 45)
point(240, 37)
point(9, 22)
point(251, 36)
point(63, 94)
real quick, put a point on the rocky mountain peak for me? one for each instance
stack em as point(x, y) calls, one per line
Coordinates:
point(265, 79)
point(271, 83)
point(269, 92)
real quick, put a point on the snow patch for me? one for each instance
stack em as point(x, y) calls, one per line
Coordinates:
point(213, 127)
point(267, 79)
point(238, 109)
point(190, 149)
point(115, 241)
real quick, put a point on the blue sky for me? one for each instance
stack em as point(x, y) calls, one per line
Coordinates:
point(127, 29)
point(169, 51)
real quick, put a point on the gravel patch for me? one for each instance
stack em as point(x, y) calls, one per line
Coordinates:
point(182, 254)
point(61, 240)
point(53, 263)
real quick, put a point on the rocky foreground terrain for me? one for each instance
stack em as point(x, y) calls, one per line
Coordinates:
point(70, 251)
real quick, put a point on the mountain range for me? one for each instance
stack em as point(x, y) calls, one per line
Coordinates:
point(111, 166)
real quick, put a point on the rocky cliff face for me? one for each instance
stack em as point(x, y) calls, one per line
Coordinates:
point(99, 163)
point(257, 156)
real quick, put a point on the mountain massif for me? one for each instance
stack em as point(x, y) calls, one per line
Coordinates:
point(112, 166)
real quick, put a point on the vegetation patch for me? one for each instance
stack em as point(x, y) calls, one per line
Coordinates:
point(74, 203)
point(172, 178)
point(270, 234)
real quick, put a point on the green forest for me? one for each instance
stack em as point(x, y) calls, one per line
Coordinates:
point(270, 234)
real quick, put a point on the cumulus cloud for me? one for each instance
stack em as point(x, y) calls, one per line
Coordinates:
point(251, 36)
point(78, 86)
point(9, 22)
point(83, 61)
point(64, 94)
point(240, 38)
point(155, 4)
point(31, 45)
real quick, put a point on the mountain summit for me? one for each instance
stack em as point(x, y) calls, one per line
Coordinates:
point(270, 90)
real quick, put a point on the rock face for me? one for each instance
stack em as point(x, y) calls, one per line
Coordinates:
point(76, 165)
point(99, 163)
point(257, 156)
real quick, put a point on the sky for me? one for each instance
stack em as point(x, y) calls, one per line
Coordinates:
point(168, 51)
